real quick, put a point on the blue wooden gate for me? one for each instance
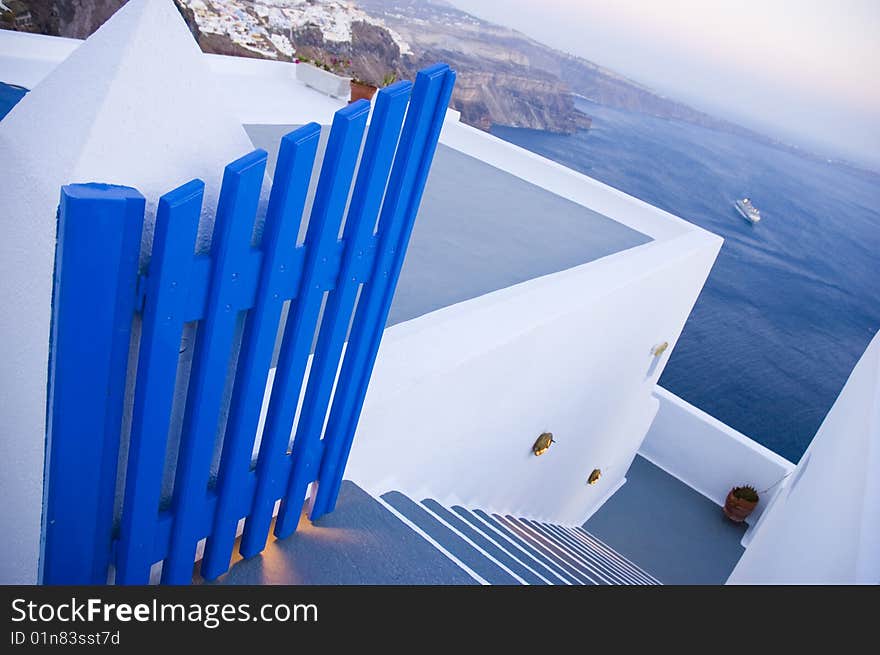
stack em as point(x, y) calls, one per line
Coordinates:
point(340, 292)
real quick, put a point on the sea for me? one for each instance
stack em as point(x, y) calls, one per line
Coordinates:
point(791, 303)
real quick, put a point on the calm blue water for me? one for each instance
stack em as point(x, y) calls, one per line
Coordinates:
point(791, 303)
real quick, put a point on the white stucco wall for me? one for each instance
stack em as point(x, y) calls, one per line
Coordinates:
point(133, 105)
point(824, 527)
point(458, 396)
point(708, 455)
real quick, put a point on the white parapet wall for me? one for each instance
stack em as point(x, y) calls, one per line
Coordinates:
point(824, 526)
point(710, 456)
point(458, 396)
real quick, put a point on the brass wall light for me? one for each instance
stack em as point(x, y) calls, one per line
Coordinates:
point(594, 476)
point(542, 443)
point(659, 349)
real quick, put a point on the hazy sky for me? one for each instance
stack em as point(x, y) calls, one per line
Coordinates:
point(807, 71)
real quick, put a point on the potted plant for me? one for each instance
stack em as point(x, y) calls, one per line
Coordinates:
point(366, 90)
point(361, 90)
point(740, 502)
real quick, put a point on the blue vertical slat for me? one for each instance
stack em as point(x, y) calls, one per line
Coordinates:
point(364, 208)
point(427, 111)
point(289, 188)
point(96, 264)
point(326, 216)
point(171, 263)
point(230, 247)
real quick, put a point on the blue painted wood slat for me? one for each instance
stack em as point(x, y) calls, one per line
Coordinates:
point(427, 111)
point(96, 265)
point(177, 222)
point(330, 197)
point(287, 200)
point(234, 223)
point(363, 210)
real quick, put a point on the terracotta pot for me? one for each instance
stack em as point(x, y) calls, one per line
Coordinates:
point(737, 509)
point(361, 91)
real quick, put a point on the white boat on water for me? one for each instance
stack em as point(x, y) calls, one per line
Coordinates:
point(747, 210)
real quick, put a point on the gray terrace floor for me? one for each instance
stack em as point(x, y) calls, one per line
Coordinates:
point(481, 229)
point(667, 528)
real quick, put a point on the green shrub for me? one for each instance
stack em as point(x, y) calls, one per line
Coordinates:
point(746, 493)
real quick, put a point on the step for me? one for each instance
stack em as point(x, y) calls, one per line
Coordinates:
point(512, 547)
point(560, 570)
point(471, 557)
point(485, 543)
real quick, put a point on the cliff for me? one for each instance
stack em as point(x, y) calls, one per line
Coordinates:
point(71, 18)
point(504, 77)
point(371, 50)
point(486, 99)
point(507, 97)
point(496, 84)
point(499, 83)
point(520, 75)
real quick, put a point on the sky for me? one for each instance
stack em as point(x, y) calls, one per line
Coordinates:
point(804, 71)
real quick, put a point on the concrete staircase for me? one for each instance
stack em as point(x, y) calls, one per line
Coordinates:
point(506, 550)
point(393, 540)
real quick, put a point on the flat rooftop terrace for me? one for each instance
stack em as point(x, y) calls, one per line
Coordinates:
point(481, 229)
